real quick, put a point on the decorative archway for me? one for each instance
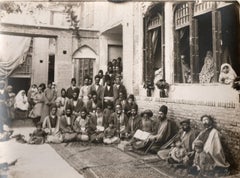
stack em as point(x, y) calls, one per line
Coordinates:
point(83, 59)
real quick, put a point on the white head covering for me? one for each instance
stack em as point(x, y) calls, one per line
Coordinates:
point(229, 77)
point(21, 101)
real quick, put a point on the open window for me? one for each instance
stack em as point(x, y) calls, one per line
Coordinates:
point(206, 36)
point(153, 43)
point(182, 46)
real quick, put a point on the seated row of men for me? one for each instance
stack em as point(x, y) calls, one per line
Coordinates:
point(201, 153)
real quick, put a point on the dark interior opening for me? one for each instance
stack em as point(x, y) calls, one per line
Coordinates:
point(51, 64)
point(19, 84)
point(204, 37)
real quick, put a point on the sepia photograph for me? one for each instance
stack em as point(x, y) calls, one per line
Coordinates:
point(119, 89)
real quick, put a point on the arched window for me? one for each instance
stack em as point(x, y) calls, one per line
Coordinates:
point(153, 42)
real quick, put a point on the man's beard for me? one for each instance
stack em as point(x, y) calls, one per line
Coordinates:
point(68, 115)
point(75, 98)
point(186, 129)
point(206, 125)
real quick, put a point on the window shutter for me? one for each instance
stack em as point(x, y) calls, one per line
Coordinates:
point(217, 51)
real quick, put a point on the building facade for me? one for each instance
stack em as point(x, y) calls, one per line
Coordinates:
point(156, 40)
point(174, 38)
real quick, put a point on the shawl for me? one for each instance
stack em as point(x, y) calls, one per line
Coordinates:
point(207, 71)
point(229, 77)
point(21, 101)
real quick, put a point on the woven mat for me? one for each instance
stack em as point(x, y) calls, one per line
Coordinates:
point(104, 161)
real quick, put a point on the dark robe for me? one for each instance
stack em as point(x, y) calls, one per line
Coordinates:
point(75, 108)
point(70, 91)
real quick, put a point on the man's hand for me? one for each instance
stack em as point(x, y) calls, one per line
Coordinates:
point(152, 138)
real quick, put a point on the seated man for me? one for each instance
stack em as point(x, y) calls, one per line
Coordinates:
point(81, 125)
point(120, 120)
point(133, 122)
point(75, 104)
point(212, 144)
point(145, 129)
point(166, 129)
point(186, 136)
point(66, 126)
point(51, 126)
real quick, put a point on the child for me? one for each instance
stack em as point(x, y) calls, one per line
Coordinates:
point(110, 134)
point(177, 154)
point(38, 136)
point(203, 163)
point(227, 74)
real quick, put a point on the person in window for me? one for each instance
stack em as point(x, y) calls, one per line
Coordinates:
point(227, 74)
point(72, 88)
point(207, 72)
point(186, 72)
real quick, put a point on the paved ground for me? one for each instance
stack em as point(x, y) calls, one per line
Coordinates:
point(34, 161)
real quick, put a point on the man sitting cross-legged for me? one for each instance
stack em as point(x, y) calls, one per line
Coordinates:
point(164, 131)
point(66, 126)
point(81, 125)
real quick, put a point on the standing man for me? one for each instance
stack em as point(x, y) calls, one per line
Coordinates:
point(118, 86)
point(50, 95)
point(72, 88)
point(97, 87)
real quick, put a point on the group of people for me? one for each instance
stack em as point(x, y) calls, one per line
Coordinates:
point(227, 74)
point(102, 112)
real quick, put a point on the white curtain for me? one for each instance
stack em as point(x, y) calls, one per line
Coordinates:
point(13, 51)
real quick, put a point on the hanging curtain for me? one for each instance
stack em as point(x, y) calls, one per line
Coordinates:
point(13, 52)
point(154, 42)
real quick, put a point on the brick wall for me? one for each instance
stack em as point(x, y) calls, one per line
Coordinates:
point(227, 117)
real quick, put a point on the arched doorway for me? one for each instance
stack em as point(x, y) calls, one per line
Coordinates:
point(83, 59)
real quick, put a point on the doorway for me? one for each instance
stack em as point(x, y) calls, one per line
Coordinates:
point(19, 84)
point(51, 64)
